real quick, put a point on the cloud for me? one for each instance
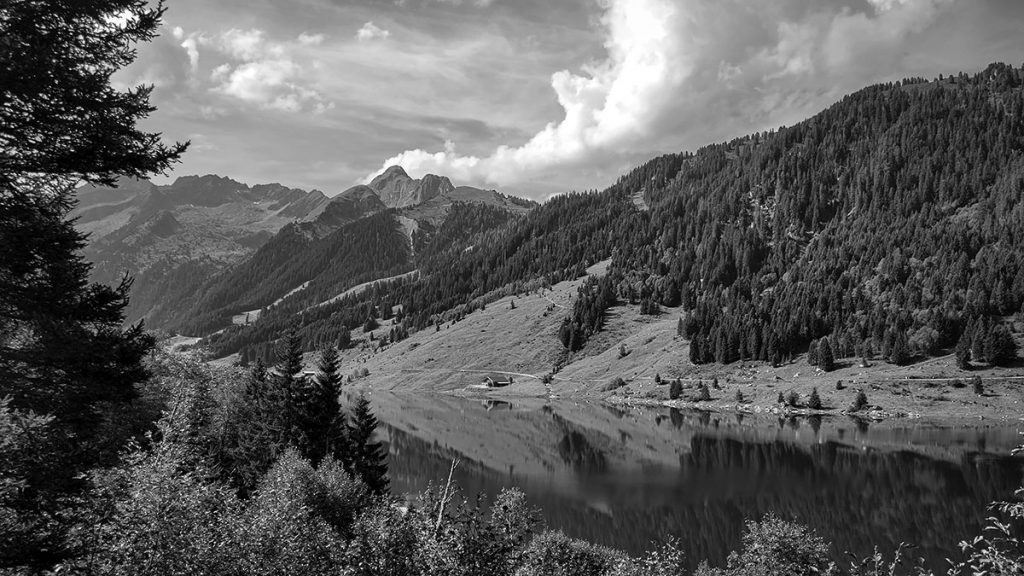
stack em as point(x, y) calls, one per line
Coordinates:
point(681, 73)
point(307, 39)
point(371, 31)
point(191, 46)
point(260, 72)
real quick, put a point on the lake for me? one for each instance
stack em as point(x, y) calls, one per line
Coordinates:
point(632, 478)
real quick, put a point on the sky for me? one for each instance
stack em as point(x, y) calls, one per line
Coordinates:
point(530, 97)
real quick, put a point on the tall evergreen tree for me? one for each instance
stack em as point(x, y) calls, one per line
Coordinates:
point(369, 459)
point(1000, 347)
point(289, 390)
point(324, 424)
point(63, 350)
point(826, 358)
point(963, 352)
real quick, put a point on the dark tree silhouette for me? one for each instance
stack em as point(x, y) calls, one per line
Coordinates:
point(369, 459)
point(63, 350)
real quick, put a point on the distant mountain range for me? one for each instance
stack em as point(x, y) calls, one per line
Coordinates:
point(887, 226)
point(183, 241)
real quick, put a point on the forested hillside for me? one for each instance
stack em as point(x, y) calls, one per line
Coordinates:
point(884, 225)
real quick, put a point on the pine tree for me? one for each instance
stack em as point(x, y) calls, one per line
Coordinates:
point(899, 352)
point(63, 348)
point(287, 392)
point(814, 402)
point(703, 394)
point(324, 423)
point(344, 337)
point(826, 358)
point(675, 390)
point(963, 352)
point(1000, 348)
point(369, 460)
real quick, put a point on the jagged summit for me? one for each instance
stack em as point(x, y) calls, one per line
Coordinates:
point(398, 190)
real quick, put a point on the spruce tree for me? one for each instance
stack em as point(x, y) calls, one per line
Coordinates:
point(812, 353)
point(963, 352)
point(826, 358)
point(63, 348)
point(675, 389)
point(324, 422)
point(899, 352)
point(369, 460)
point(1000, 348)
point(814, 402)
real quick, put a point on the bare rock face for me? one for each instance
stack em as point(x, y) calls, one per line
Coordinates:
point(398, 190)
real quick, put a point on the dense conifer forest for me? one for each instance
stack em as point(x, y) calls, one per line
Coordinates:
point(888, 225)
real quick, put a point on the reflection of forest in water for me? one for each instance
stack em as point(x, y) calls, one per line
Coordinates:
point(857, 497)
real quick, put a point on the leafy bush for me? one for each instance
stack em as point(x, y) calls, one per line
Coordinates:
point(977, 386)
point(555, 554)
point(739, 397)
point(774, 547)
point(161, 517)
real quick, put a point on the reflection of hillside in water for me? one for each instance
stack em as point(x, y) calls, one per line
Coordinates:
point(604, 484)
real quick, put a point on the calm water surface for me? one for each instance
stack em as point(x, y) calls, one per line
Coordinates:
point(631, 478)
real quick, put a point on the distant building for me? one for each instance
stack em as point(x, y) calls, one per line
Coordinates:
point(497, 381)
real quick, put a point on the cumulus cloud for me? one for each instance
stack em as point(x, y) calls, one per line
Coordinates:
point(371, 31)
point(257, 71)
point(680, 73)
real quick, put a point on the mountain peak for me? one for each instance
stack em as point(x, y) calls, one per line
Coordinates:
point(398, 190)
point(395, 170)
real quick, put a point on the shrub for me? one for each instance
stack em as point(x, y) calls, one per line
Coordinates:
point(839, 385)
point(657, 378)
point(859, 402)
point(161, 518)
point(739, 397)
point(555, 554)
point(669, 560)
point(715, 384)
point(977, 386)
point(814, 402)
point(622, 351)
point(958, 383)
point(774, 547)
point(781, 399)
